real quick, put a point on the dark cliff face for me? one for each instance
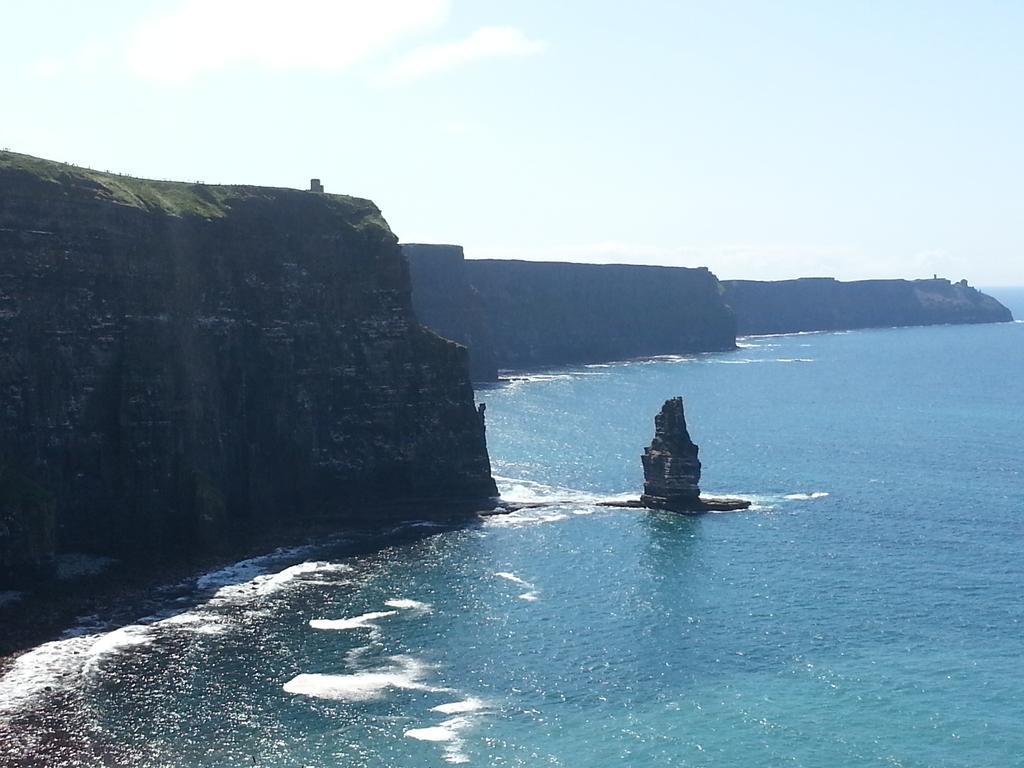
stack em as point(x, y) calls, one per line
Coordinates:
point(542, 313)
point(180, 364)
point(445, 302)
point(824, 304)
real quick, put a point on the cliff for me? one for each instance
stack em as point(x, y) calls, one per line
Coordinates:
point(546, 313)
point(444, 301)
point(825, 304)
point(181, 365)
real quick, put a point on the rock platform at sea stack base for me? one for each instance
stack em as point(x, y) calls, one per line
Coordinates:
point(693, 507)
point(672, 470)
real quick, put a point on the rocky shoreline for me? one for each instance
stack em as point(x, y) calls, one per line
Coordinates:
point(125, 591)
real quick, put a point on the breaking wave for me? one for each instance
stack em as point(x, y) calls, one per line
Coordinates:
point(401, 673)
point(366, 621)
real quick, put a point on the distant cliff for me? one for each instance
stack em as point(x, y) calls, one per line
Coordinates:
point(538, 314)
point(825, 304)
point(445, 301)
point(181, 364)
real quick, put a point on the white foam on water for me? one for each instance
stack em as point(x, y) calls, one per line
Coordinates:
point(404, 604)
point(113, 643)
point(744, 342)
point(435, 733)
point(56, 664)
point(516, 490)
point(668, 359)
point(84, 649)
point(531, 595)
point(277, 581)
point(62, 664)
point(201, 623)
point(366, 621)
point(536, 378)
point(806, 496)
point(206, 618)
point(554, 501)
point(404, 673)
point(246, 570)
point(516, 380)
point(514, 579)
point(749, 361)
point(459, 707)
point(791, 333)
point(236, 573)
point(524, 517)
point(446, 731)
point(249, 579)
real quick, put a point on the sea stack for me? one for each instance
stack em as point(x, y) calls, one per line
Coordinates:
point(671, 466)
point(672, 469)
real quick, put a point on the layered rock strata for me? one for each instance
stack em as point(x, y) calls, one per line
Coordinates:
point(182, 365)
point(671, 466)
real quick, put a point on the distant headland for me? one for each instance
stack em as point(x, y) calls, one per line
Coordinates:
point(519, 315)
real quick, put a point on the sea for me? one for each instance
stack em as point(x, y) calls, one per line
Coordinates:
point(867, 610)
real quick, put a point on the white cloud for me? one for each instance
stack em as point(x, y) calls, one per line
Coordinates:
point(485, 43)
point(202, 36)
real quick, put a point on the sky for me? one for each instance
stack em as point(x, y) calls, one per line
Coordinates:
point(765, 140)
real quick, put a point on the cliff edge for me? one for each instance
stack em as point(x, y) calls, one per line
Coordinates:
point(181, 364)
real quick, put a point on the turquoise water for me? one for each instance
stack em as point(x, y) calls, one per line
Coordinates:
point(866, 612)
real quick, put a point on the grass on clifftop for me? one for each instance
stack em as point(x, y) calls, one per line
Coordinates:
point(175, 198)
